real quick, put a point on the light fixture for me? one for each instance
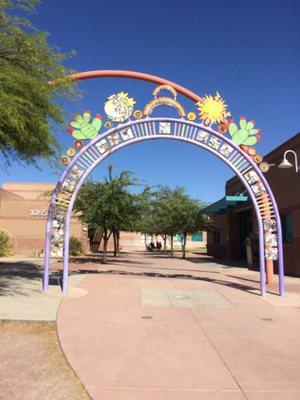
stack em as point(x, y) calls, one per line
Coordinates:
point(285, 162)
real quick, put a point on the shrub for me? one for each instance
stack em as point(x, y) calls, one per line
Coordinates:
point(75, 246)
point(5, 245)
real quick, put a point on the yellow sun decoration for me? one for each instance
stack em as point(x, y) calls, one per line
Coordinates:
point(212, 109)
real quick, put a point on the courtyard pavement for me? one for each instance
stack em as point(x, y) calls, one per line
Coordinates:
point(158, 328)
point(21, 296)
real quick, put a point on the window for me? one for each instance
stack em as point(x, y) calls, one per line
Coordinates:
point(197, 237)
point(287, 228)
point(217, 238)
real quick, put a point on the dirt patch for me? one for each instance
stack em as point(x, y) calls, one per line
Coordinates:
point(32, 365)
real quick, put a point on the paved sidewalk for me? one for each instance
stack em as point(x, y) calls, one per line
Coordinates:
point(135, 335)
point(21, 296)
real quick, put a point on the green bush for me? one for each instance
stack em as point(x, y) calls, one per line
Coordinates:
point(5, 245)
point(75, 246)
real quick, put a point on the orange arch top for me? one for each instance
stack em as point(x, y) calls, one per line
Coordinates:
point(111, 73)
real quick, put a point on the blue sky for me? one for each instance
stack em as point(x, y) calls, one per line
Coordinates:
point(249, 51)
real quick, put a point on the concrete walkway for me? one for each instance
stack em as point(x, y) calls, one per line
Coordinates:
point(199, 331)
point(21, 296)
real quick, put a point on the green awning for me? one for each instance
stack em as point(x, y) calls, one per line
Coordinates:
point(224, 204)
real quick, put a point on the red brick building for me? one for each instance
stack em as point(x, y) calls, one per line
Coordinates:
point(235, 221)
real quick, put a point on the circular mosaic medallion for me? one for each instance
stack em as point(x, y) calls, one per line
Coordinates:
point(138, 114)
point(222, 128)
point(71, 152)
point(191, 116)
point(251, 151)
point(264, 166)
point(78, 144)
point(65, 160)
point(107, 124)
point(257, 158)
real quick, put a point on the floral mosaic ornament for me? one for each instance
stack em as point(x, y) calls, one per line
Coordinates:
point(246, 136)
point(83, 128)
point(245, 133)
point(119, 107)
point(212, 110)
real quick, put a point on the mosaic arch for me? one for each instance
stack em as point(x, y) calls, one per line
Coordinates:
point(207, 124)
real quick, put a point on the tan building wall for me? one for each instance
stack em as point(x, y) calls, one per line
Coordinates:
point(23, 211)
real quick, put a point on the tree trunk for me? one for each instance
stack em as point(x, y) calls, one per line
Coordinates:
point(118, 241)
point(115, 244)
point(184, 245)
point(104, 253)
point(165, 242)
point(172, 245)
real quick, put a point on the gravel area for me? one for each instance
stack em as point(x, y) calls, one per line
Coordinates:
point(32, 365)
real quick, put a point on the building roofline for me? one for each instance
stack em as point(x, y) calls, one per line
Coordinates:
point(272, 154)
point(9, 194)
point(290, 141)
point(27, 183)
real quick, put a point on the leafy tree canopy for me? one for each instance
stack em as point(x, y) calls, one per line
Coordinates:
point(171, 212)
point(29, 105)
point(109, 206)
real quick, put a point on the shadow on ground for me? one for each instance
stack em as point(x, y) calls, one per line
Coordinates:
point(14, 276)
point(234, 285)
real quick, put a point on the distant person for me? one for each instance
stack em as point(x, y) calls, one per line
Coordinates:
point(159, 246)
point(152, 246)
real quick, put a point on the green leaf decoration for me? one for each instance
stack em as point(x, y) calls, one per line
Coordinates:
point(86, 117)
point(79, 135)
point(78, 118)
point(250, 125)
point(232, 129)
point(253, 131)
point(250, 141)
point(245, 135)
point(97, 123)
point(243, 124)
point(76, 125)
point(240, 137)
point(83, 128)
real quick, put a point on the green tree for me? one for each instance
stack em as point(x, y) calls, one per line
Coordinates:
point(190, 218)
point(124, 206)
point(29, 105)
point(166, 216)
point(171, 212)
point(5, 245)
point(109, 207)
point(146, 223)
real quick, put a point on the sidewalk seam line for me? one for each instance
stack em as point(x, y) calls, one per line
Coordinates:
point(219, 355)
